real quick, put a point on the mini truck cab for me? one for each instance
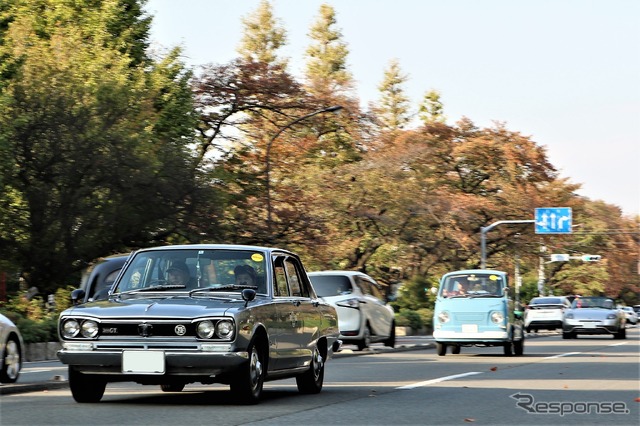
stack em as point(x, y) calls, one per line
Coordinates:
point(474, 308)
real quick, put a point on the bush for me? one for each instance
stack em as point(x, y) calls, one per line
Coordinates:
point(409, 318)
point(32, 317)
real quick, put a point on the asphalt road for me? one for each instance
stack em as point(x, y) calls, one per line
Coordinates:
point(409, 385)
point(49, 375)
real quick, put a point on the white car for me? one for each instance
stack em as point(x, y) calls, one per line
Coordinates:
point(545, 313)
point(11, 351)
point(632, 316)
point(364, 317)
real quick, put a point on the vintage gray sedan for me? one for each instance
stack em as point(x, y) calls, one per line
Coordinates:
point(593, 315)
point(237, 315)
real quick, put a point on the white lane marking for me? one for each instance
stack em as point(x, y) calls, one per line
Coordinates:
point(618, 344)
point(441, 379)
point(561, 355)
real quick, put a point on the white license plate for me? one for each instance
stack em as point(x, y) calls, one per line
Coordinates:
point(589, 325)
point(143, 362)
point(469, 328)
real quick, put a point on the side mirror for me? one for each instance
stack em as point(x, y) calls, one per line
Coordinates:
point(77, 296)
point(248, 294)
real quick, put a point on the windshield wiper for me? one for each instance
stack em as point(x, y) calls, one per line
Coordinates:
point(160, 287)
point(224, 288)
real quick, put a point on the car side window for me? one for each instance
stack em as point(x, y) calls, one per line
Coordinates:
point(280, 278)
point(364, 285)
point(288, 277)
point(293, 278)
point(375, 292)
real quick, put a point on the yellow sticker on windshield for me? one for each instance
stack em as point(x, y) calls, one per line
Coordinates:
point(257, 257)
point(493, 277)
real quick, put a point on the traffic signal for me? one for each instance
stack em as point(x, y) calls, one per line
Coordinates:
point(591, 258)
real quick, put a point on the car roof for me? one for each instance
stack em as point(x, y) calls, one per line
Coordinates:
point(217, 247)
point(336, 272)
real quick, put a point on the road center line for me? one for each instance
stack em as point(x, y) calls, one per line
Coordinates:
point(438, 380)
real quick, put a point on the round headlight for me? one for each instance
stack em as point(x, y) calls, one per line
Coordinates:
point(497, 317)
point(90, 329)
point(568, 316)
point(70, 329)
point(443, 316)
point(224, 329)
point(205, 329)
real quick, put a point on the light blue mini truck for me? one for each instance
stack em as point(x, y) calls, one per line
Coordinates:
point(475, 308)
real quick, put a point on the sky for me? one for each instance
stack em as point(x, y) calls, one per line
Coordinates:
point(565, 73)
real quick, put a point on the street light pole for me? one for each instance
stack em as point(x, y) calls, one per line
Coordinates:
point(268, 153)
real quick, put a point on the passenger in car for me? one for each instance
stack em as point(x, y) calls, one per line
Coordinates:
point(245, 275)
point(457, 289)
point(178, 274)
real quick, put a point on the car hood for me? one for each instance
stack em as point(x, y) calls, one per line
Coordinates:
point(156, 307)
point(591, 313)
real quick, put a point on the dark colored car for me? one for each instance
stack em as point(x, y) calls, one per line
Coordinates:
point(594, 315)
point(99, 277)
point(237, 315)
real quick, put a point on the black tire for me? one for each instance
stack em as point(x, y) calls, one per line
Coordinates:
point(508, 348)
point(455, 349)
point(391, 341)
point(247, 383)
point(11, 362)
point(568, 335)
point(366, 339)
point(441, 349)
point(518, 346)
point(621, 334)
point(85, 387)
point(172, 387)
point(310, 382)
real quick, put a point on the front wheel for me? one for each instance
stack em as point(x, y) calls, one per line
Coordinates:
point(518, 346)
point(311, 381)
point(84, 387)
point(455, 349)
point(11, 363)
point(441, 349)
point(366, 339)
point(391, 341)
point(508, 348)
point(247, 383)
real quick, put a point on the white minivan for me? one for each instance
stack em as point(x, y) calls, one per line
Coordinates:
point(364, 317)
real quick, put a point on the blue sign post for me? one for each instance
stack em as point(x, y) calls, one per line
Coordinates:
point(553, 220)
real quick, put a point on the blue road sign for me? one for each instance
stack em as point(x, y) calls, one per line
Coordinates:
point(553, 220)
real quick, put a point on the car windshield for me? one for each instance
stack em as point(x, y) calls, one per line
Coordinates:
point(189, 269)
point(473, 285)
point(331, 285)
point(592, 302)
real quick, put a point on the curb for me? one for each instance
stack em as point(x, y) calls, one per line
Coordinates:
point(8, 389)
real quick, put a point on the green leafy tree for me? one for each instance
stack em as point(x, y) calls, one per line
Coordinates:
point(96, 136)
point(326, 68)
point(393, 108)
point(262, 37)
point(431, 109)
